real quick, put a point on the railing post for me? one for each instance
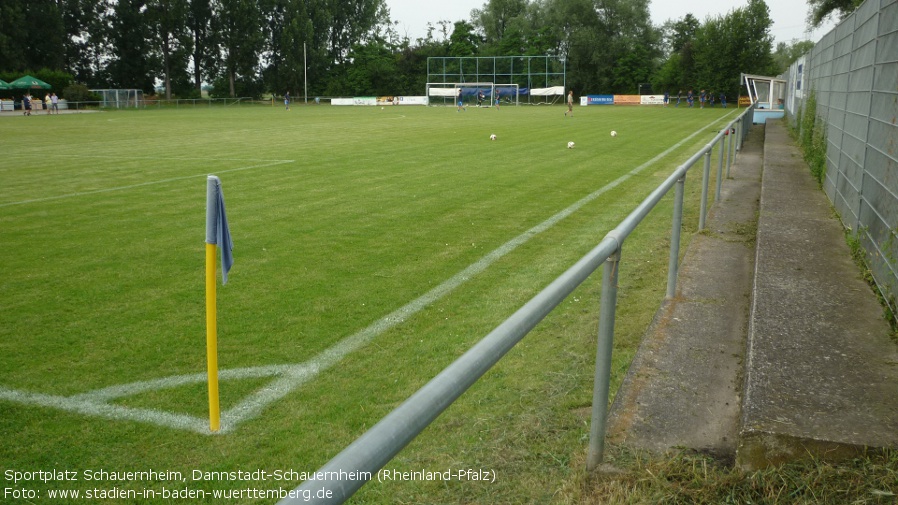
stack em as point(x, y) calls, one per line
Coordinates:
point(719, 169)
point(739, 126)
point(673, 265)
point(730, 150)
point(602, 380)
point(706, 176)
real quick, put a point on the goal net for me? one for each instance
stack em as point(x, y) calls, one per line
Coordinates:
point(472, 93)
point(508, 93)
point(120, 98)
point(448, 93)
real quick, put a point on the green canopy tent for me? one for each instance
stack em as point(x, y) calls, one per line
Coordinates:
point(4, 86)
point(5, 106)
point(28, 82)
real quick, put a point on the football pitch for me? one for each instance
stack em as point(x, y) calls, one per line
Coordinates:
point(372, 246)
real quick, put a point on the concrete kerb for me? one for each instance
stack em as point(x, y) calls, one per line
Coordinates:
point(821, 369)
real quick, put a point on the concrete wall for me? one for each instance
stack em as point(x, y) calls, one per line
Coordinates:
point(853, 73)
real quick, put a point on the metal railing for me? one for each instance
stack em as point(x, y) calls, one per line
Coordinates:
point(359, 462)
point(179, 103)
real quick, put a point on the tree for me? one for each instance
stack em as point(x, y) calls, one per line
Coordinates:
point(239, 25)
point(133, 63)
point(630, 69)
point(680, 34)
point(374, 70)
point(595, 35)
point(678, 71)
point(670, 76)
point(246, 47)
point(823, 9)
point(497, 17)
point(199, 26)
point(13, 36)
point(786, 54)
point(463, 41)
point(515, 27)
point(296, 45)
point(727, 46)
point(351, 21)
point(85, 44)
point(279, 46)
point(32, 35)
point(412, 62)
point(168, 30)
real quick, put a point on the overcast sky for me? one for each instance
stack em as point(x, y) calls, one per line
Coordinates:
point(788, 15)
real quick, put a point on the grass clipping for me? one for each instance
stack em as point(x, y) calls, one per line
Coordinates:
point(690, 478)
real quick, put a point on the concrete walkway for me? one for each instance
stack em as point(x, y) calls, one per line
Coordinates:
point(684, 387)
point(821, 372)
point(774, 347)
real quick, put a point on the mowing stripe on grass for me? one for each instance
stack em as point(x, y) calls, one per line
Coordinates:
point(272, 163)
point(253, 404)
point(289, 376)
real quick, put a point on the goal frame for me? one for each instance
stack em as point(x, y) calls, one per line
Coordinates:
point(493, 91)
point(516, 94)
point(448, 91)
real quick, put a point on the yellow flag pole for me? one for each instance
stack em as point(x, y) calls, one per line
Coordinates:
point(212, 232)
point(217, 236)
point(212, 339)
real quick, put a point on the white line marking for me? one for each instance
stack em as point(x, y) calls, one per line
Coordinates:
point(105, 410)
point(142, 184)
point(253, 404)
point(290, 376)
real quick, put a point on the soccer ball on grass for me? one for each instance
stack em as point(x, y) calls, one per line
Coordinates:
point(613, 133)
point(570, 145)
point(493, 137)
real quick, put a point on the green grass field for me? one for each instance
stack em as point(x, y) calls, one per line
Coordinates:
point(340, 217)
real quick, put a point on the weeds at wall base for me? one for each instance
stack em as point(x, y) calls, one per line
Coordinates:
point(810, 134)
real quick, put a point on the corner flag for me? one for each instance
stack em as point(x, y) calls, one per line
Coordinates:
point(217, 231)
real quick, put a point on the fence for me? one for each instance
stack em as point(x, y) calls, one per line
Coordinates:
point(180, 103)
point(349, 470)
point(852, 74)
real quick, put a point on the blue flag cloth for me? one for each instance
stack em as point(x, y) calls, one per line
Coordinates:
point(217, 230)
